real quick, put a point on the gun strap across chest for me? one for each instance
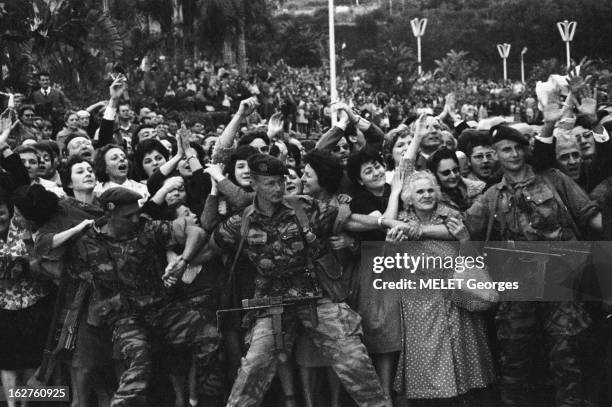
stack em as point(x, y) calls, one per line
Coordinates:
point(546, 178)
point(244, 230)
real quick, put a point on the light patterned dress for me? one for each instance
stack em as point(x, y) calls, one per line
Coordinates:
point(18, 290)
point(445, 352)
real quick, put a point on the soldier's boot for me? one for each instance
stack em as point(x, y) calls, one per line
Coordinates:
point(566, 371)
point(515, 366)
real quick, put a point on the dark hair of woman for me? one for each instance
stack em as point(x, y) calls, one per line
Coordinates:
point(23, 108)
point(48, 146)
point(144, 148)
point(65, 172)
point(241, 153)
point(253, 135)
point(36, 204)
point(356, 160)
point(328, 169)
point(439, 155)
point(99, 163)
point(135, 139)
point(294, 152)
point(388, 148)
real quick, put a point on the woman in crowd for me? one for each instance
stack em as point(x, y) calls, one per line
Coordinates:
point(394, 149)
point(456, 192)
point(148, 157)
point(25, 302)
point(91, 365)
point(71, 126)
point(379, 309)
point(231, 192)
point(185, 164)
point(445, 350)
point(111, 167)
point(321, 180)
point(293, 183)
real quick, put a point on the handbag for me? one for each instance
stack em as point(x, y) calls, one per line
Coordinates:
point(474, 299)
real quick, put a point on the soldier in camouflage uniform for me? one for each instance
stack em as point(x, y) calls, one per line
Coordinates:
point(124, 260)
point(274, 244)
point(525, 207)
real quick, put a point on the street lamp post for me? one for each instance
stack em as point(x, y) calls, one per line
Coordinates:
point(523, 52)
point(418, 29)
point(332, 59)
point(567, 29)
point(504, 51)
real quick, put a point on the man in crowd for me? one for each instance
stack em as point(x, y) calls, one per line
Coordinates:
point(50, 103)
point(124, 126)
point(481, 158)
point(526, 206)
point(274, 242)
point(125, 259)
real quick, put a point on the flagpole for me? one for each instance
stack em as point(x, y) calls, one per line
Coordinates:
point(332, 59)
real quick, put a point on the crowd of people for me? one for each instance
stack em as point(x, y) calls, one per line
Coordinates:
point(303, 93)
point(124, 229)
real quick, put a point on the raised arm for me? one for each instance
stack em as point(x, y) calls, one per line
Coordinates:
point(420, 130)
point(10, 161)
point(226, 140)
point(328, 141)
point(97, 106)
point(107, 127)
point(236, 196)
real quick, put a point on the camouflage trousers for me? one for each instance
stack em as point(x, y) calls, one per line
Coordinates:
point(336, 335)
point(174, 325)
point(518, 325)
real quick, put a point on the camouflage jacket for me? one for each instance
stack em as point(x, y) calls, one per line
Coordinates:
point(126, 270)
point(529, 210)
point(276, 248)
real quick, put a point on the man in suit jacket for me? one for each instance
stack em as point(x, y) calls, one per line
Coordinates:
point(50, 103)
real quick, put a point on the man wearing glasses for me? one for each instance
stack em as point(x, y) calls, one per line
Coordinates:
point(482, 159)
point(581, 153)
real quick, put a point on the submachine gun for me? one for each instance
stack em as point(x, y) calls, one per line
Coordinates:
point(275, 307)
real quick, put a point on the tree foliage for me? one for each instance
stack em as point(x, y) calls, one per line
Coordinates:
point(388, 66)
point(62, 36)
point(456, 66)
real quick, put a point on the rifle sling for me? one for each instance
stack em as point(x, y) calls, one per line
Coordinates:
point(244, 229)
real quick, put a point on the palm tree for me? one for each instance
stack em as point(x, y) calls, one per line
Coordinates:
point(66, 37)
point(456, 66)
